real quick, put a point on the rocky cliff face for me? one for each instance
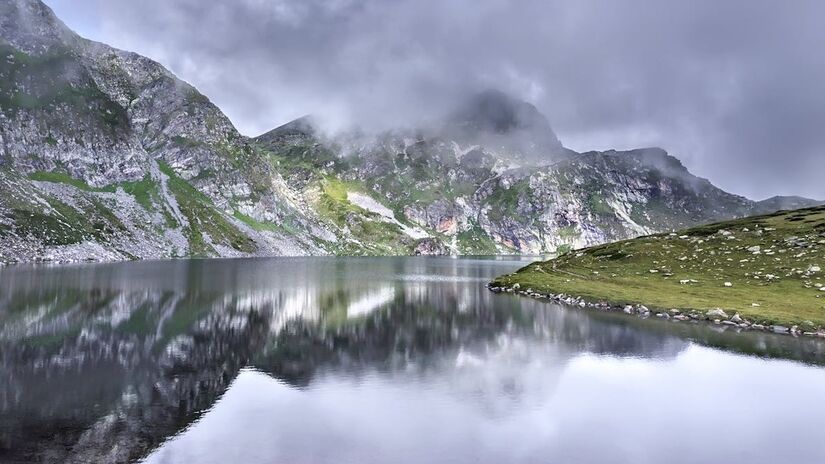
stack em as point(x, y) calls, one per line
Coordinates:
point(105, 154)
point(451, 196)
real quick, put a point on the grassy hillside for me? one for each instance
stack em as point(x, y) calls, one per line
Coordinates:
point(768, 269)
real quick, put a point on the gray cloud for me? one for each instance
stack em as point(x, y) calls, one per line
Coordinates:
point(736, 89)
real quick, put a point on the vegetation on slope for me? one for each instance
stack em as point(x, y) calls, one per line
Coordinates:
point(204, 217)
point(374, 234)
point(766, 268)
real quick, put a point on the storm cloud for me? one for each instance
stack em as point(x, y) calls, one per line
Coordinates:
point(735, 89)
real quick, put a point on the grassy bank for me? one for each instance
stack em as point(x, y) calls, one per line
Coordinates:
point(768, 269)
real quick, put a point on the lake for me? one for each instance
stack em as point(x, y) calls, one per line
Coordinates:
point(374, 360)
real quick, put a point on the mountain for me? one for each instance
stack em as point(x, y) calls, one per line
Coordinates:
point(454, 197)
point(779, 203)
point(105, 154)
point(512, 127)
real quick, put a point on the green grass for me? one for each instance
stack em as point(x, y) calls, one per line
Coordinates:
point(598, 205)
point(61, 178)
point(145, 190)
point(286, 226)
point(186, 142)
point(204, 217)
point(504, 202)
point(377, 237)
point(652, 270)
point(475, 241)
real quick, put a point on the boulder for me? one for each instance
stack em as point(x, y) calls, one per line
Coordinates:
point(717, 313)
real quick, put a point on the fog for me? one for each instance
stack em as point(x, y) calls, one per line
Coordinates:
point(733, 89)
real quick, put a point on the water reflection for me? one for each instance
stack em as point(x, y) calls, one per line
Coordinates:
point(103, 363)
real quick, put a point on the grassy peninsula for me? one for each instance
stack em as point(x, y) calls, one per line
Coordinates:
point(767, 269)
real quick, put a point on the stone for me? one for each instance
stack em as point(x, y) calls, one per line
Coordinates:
point(736, 318)
point(728, 284)
point(628, 309)
point(717, 313)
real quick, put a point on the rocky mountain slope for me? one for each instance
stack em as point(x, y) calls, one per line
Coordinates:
point(469, 195)
point(105, 154)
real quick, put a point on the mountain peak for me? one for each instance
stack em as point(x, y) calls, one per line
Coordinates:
point(495, 111)
point(499, 121)
point(31, 26)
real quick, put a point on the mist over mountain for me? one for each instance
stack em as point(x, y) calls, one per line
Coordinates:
point(741, 106)
point(108, 155)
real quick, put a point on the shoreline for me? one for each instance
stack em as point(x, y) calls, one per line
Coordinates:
point(716, 317)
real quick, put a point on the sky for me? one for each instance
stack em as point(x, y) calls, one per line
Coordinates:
point(734, 89)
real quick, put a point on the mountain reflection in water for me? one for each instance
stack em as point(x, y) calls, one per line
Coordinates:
point(104, 363)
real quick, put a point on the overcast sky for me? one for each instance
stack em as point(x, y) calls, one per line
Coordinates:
point(735, 89)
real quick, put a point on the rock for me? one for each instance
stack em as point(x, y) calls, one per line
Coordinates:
point(430, 247)
point(717, 313)
point(779, 329)
point(736, 318)
point(728, 284)
point(516, 286)
point(794, 330)
point(628, 309)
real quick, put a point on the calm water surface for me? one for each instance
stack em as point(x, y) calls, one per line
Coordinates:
point(397, 360)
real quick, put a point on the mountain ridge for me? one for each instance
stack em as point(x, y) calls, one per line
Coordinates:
point(108, 155)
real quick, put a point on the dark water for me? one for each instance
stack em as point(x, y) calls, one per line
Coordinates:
point(397, 360)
